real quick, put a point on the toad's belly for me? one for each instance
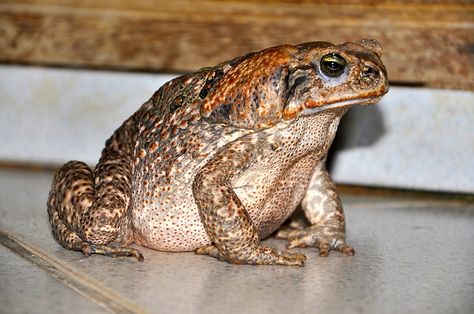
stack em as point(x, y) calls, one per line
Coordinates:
point(172, 222)
point(176, 226)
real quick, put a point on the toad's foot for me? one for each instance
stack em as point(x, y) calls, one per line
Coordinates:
point(320, 237)
point(110, 250)
point(263, 255)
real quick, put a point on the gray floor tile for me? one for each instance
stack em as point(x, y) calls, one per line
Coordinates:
point(25, 288)
point(413, 256)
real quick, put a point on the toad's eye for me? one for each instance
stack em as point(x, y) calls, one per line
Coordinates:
point(332, 64)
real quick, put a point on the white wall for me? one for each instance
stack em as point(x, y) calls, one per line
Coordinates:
point(423, 139)
point(55, 115)
point(415, 138)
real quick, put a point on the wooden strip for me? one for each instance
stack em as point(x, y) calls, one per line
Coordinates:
point(425, 45)
point(413, 195)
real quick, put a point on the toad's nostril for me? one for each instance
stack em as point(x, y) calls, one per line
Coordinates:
point(368, 71)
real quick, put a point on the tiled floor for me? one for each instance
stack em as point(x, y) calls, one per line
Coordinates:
point(413, 256)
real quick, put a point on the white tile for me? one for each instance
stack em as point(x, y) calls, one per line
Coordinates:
point(55, 115)
point(415, 138)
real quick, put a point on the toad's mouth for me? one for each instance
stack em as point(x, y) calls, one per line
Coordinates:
point(311, 108)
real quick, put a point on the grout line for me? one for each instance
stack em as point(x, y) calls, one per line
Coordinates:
point(110, 300)
point(406, 204)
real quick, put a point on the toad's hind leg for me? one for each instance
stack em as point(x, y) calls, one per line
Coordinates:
point(90, 215)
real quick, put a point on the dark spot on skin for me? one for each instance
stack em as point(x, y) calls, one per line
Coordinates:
point(286, 89)
point(298, 81)
point(203, 93)
point(221, 113)
point(210, 83)
point(256, 103)
point(175, 105)
point(287, 80)
point(273, 146)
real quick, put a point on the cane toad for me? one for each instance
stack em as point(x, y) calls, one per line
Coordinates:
point(217, 160)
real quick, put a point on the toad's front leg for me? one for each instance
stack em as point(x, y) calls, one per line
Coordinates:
point(323, 209)
point(223, 215)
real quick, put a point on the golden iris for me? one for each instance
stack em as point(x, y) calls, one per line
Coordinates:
point(332, 65)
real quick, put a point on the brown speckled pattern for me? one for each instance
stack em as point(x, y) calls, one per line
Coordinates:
point(219, 159)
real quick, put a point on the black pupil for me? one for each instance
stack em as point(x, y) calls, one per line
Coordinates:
point(333, 65)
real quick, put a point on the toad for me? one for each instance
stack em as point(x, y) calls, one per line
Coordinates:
point(217, 160)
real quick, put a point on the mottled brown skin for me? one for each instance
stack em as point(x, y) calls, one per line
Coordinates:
point(217, 160)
